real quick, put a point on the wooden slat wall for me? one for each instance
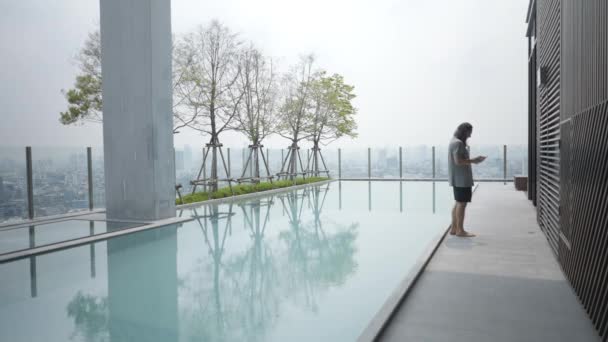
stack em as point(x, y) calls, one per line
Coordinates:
point(548, 14)
point(584, 56)
point(583, 249)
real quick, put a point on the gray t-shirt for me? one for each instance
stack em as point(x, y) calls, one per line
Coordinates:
point(459, 175)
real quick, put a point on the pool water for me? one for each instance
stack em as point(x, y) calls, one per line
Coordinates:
point(308, 265)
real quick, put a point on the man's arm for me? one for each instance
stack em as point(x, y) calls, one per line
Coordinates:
point(460, 160)
point(463, 161)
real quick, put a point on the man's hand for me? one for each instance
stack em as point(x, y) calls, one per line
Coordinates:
point(478, 160)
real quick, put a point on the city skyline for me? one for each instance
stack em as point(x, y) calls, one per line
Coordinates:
point(60, 182)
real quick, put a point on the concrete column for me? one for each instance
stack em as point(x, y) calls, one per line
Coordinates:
point(137, 104)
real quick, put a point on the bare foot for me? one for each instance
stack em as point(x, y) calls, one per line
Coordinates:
point(464, 233)
point(452, 231)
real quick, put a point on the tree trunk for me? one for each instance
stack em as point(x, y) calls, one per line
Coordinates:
point(256, 166)
point(214, 185)
point(316, 158)
point(293, 167)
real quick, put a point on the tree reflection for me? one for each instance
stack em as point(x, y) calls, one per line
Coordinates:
point(208, 316)
point(256, 274)
point(242, 302)
point(90, 314)
point(315, 259)
point(237, 290)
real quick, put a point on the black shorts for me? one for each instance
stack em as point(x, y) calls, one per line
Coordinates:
point(462, 195)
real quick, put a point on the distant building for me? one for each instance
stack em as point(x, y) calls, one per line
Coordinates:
point(2, 192)
point(187, 157)
point(179, 160)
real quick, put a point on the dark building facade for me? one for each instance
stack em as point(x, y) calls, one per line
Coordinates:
point(568, 141)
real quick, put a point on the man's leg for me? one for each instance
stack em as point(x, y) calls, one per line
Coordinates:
point(461, 210)
point(454, 226)
point(463, 207)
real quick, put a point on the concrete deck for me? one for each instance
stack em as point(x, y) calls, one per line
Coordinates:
point(504, 285)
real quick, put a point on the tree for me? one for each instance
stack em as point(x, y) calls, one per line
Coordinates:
point(256, 113)
point(295, 111)
point(85, 99)
point(333, 115)
point(211, 81)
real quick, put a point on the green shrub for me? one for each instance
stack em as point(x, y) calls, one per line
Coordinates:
point(242, 189)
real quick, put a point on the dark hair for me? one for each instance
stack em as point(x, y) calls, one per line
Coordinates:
point(463, 131)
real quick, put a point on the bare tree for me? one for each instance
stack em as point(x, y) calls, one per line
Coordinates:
point(295, 113)
point(211, 88)
point(85, 99)
point(333, 116)
point(256, 113)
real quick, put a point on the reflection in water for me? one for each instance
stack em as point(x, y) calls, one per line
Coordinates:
point(250, 287)
point(433, 197)
point(242, 301)
point(369, 195)
point(142, 286)
point(207, 320)
point(233, 293)
point(90, 315)
point(316, 259)
point(257, 273)
point(340, 195)
point(142, 291)
point(33, 282)
point(400, 196)
point(92, 248)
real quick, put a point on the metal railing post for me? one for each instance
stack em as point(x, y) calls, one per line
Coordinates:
point(205, 171)
point(30, 182)
point(400, 162)
point(339, 163)
point(369, 162)
point(504, 150)
point(90, 176)
point(433, 162)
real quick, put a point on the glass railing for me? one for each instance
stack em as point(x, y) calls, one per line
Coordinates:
point(47, 181)
point(62, 181)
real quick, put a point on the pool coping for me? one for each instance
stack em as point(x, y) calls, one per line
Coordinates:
point(50, 218)
point(381, 319)
point(12, 256)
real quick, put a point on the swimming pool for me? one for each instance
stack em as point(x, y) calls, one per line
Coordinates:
point(314, 264)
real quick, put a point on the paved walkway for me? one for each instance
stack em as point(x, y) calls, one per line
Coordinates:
point(504, 285)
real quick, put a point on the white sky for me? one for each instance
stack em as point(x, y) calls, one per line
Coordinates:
point(419, 67)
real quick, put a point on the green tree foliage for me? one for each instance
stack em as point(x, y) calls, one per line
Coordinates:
point(334, 114)
point(84, 100)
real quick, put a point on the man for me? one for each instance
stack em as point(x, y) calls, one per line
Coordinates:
point(460, 176)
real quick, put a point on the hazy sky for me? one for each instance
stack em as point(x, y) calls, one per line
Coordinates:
point(419, 67)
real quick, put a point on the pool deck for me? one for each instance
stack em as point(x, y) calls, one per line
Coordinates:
point(503, 285)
